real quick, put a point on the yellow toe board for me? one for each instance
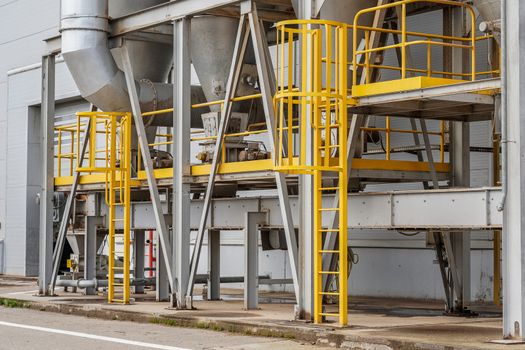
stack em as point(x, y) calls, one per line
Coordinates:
point(399, 85)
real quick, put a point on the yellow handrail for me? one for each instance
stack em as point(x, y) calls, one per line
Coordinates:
point(446, 41)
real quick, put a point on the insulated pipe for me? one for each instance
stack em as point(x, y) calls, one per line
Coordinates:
point(85, 28)
point(504, 134)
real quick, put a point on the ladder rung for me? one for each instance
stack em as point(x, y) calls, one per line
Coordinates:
point(118, 284)
point(328, 188)
point(118, 219)
point(329, 293)
point(329, 230)
point(329, 272)
point(118, 268)
point(328, 209)
point(329, 314)
point(329, 251)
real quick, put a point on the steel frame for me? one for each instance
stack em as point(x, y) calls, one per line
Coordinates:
point(514, 318)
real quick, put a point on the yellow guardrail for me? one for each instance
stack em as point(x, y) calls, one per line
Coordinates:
point(463, 43)
point(388, 131)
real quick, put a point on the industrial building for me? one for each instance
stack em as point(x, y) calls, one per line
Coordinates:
point(320, 149)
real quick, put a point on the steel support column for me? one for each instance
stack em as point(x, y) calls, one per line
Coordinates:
point(162, 289)
point(455, 60)
point(47, 123)
point(139, 246)
point(251, 259)
point(305, 304)
point(90, 250)
point(181, 159)
point(513, 223)
point(214, 264)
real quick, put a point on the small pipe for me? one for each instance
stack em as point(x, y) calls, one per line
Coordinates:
point(504, 135)
point(94, 283)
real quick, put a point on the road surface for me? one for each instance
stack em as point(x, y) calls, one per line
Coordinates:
point(22, 329)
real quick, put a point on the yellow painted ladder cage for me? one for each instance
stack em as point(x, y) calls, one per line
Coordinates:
point(312, 111)
point(112, 132)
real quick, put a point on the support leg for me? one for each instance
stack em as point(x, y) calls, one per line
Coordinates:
point(181, 161)
point(251, 259)
point(46, 195)
point(138, 257)
point(90, 250)
point(214, 265)
point(162, 290)
point(513, 223)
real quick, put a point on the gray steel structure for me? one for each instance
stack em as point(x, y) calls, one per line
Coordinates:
point(478, 215)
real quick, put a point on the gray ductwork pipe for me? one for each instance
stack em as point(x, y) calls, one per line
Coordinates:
point(85, 28)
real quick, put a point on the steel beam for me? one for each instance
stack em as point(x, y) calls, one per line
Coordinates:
point(164, 13)
point(47, 124)
point(162, 229)
point(181, 159)
point(251, 259)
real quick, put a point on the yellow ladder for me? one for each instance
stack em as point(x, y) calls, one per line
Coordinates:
point(319, 91)
point(323, 217)
point(114, 129)
point(118, 192)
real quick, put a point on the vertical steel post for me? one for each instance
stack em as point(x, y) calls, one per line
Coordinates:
point(181, 159)
point(513, 223)
point(161, 273)
point(455, 61)
point(90, 250)
point(139, 246)
point(47, 123)
point(214, 265)
point(251, 259)
point(305, 304)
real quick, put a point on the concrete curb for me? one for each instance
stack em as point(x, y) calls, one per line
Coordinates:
point(300, 332)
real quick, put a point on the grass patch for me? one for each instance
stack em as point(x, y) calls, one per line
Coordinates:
point(11, 303)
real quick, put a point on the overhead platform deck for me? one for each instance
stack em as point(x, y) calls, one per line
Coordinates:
point(259, 174)
point(464, 101)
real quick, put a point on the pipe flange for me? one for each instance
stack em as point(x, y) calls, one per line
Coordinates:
point(84, 22)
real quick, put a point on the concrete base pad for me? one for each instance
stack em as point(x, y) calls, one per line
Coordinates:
point(383, 324)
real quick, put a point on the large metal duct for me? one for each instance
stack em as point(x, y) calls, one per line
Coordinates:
point(84, 27)
point(490, 11)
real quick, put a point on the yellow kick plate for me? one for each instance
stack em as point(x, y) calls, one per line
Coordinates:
point(407, 84)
